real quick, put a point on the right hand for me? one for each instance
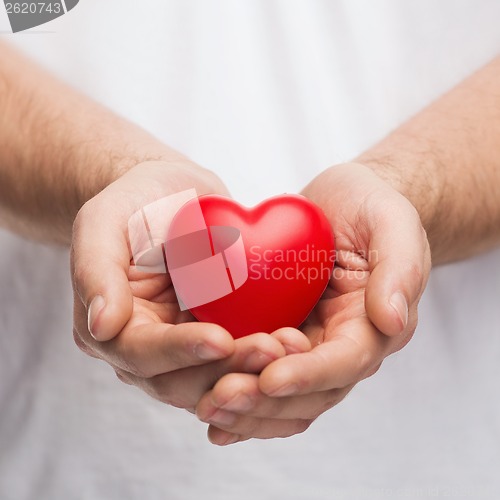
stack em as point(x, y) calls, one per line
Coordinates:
point(382, 251)
point(131, 319)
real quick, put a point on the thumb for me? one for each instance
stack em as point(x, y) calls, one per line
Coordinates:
point(399, 260)
point(100, 261)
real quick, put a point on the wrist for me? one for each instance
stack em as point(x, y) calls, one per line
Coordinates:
point(416, 177)
point(174, 171)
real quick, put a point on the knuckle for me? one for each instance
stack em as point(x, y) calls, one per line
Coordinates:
point(81, 344)
point(363, 359)
point(128, 356)
point(163, 391)
point(131, 366)
point(300, 426)
point(122, 377)
point(332, 398)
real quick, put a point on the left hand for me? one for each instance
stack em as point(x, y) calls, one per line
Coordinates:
point(138, 328)
point(368, 312)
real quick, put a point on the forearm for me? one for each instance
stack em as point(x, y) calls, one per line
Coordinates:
point(446, 160)
point(58, 149)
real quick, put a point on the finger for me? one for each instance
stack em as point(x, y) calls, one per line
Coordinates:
point(349, 356)
point(398, 261)
point(122, 376)
point(352, 261)
point(184, 388)
point(240, 394)
point(83, 346)
point(388, 228)
point(100, 261)
point(293, 340)
point(152, 349)
point(260, 429)
point(348, 280)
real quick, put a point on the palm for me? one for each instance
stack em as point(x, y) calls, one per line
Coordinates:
point(382, 252)
point(360, 209)
point(155, 300)
point(340, 314)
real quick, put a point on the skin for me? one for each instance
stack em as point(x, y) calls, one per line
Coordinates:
point(51, 163)
point(431, 187)
point(416, 193)
point(353, 328)
point(137, 327)
point(60, 180)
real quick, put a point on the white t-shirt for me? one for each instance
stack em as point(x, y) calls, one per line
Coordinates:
point(267, 94)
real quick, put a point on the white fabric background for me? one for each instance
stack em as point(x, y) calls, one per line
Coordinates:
point(267, 93)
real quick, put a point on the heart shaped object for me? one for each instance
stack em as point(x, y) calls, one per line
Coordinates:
point(266, 267)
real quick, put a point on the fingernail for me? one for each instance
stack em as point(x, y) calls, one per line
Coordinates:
point(257, 361)
point(291, 349)
point(399, 304)
point(207, 352)
point(231, 439)
point(96, 306)
point(241, 402)
point(285, 390)
point(225, 438)
point(221, 417)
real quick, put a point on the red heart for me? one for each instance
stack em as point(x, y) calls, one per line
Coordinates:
point(290, 252)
